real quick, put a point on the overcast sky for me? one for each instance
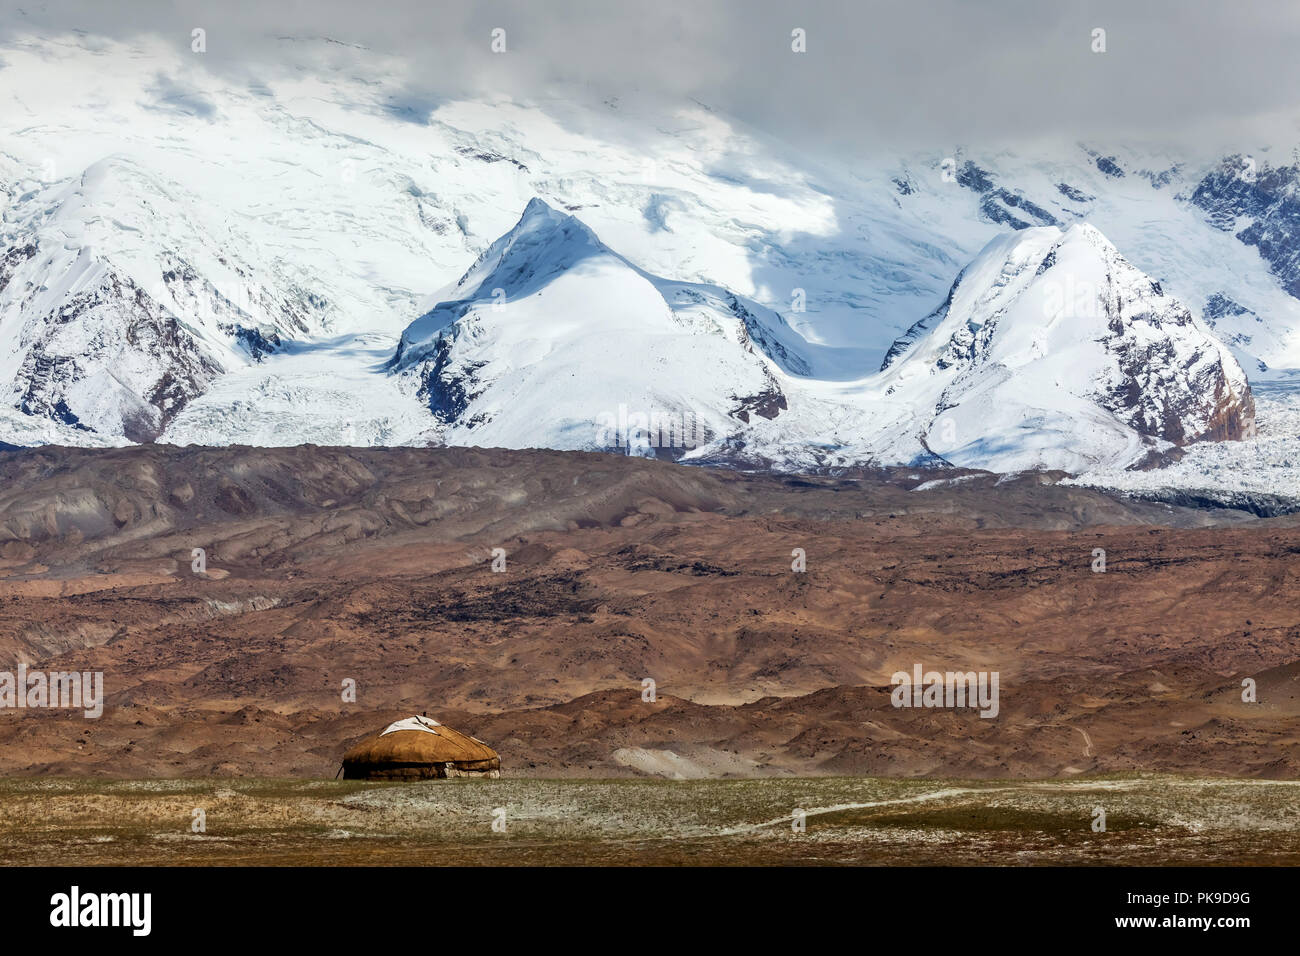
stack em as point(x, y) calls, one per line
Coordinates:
point(1216, 74)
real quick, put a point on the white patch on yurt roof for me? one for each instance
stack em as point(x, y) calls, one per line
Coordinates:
point(425, 724)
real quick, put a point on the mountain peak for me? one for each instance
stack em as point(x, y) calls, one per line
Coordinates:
point(601, 351)
point(540, 221)
point(1053, 350)
point(543, 243)
point(539, 208)
point(1086, 232)
point(541, 216)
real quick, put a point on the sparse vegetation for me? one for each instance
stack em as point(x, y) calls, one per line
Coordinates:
point(849, 820)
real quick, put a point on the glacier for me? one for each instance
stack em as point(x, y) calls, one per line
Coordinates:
point(279, 267)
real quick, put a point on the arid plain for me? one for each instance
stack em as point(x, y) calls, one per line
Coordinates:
point(224, 688)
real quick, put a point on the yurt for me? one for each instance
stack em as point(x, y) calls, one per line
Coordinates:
point(420, 748)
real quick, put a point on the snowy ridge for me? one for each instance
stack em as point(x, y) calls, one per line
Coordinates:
point(192, 260)
point(552, 339)
point(119, 307)
point(1050, 351)
point(1054, 351)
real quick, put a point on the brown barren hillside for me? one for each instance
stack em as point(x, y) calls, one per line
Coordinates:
point(327, 565)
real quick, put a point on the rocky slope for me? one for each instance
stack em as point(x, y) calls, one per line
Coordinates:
point(1260, 205)
point(1052, 350)
point(121, 305)
point(376, 565)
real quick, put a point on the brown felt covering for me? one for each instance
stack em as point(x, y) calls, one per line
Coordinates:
point(415, 754)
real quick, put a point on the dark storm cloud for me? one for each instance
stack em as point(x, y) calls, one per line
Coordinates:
point(874, 73)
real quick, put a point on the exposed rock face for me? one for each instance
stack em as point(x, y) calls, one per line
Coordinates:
point(1261, 206)
point(1177, 382)
point(120, 307)
point(1219, 307)
point(112, 360)
point(1002, 206)
point(1051, 345)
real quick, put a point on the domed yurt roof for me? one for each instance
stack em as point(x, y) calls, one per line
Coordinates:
point(419, 748)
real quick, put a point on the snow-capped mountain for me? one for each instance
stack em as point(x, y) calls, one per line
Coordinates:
point(553, 339)
point(1051, 350)
point(1171, 215)
point(192, 259)
point(119, 306)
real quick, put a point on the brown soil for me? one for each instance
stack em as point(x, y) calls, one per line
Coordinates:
point(376, 565)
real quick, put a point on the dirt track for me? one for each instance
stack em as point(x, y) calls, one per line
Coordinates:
point(822, 821)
